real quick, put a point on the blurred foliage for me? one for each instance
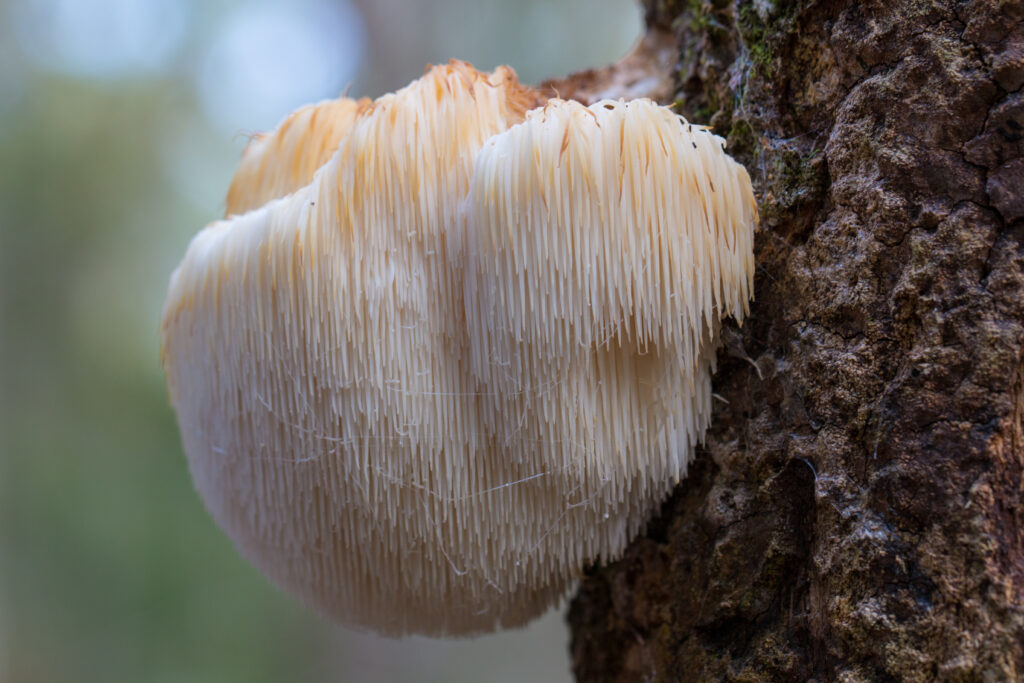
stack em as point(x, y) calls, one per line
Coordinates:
point(110, 568)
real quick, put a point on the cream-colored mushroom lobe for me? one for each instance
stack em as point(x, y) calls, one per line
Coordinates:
point(276, 164)
point(472, 355)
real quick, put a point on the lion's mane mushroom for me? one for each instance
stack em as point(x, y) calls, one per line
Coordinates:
point(468, 356)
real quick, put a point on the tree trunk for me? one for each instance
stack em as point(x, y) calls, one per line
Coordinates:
point(857, 512)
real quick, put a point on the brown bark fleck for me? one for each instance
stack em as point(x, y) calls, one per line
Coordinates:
point(858, 510)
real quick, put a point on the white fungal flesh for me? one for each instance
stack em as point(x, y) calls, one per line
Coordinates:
point(470, 357)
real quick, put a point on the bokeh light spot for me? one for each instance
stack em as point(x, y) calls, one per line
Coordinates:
point(266, 60)
point(101, 38)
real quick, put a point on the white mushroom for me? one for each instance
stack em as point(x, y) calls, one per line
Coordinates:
point(469, 357)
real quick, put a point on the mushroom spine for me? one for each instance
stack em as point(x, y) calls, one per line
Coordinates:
point(452, 345)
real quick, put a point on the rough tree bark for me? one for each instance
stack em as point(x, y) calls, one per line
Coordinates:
point(857, 512)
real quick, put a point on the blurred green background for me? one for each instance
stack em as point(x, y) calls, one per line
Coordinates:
point(120, 124)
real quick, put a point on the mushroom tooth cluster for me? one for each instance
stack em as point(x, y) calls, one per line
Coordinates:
point(276, 164)
point(424, 384)
point(604, 243)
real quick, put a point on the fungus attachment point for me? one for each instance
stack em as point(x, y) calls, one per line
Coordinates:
point(423, 385)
